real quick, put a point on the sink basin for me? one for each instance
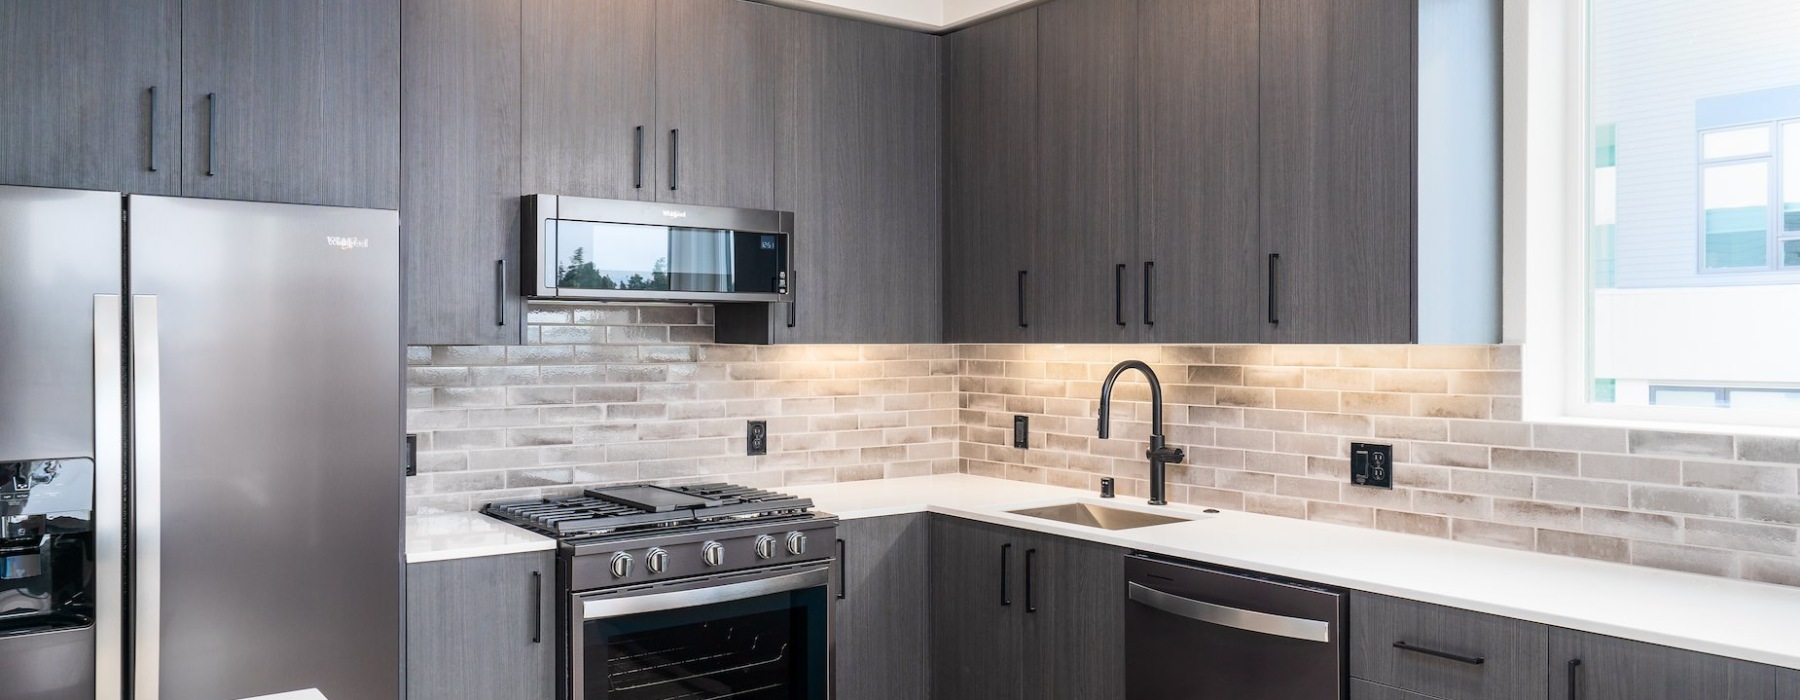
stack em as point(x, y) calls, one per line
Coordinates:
point(1098, 516)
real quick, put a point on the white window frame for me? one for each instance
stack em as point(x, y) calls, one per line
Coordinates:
point(1547, 160)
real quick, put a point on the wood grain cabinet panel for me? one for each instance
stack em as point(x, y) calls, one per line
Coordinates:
point(76, 103)
point(977, 619)
point(1441, 646)
point(1364, 690)
point(1788, 685)
point(717, 63)
point(481, 628)
point(588, 92)
point(292, 102)
point(883, 578)
point(459, 202)
point(1587, 666)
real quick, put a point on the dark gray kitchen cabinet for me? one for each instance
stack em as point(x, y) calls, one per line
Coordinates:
point(1338, 122)
point(1445, 652)
point(1364, 690)
point(459, 184)
point(1199, 162)
point(1020, 614)
point(1788, 685)
point(291, 101)
point(977, 611)
point(481, 628)
point(588, 84)
point(883, 648)
point(89, 96)
point(717, 63)
point(1087, 136)
point(990, 181)
point(1587, 666)
point(863, 180)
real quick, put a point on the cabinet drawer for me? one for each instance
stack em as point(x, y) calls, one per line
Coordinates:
point(1364, 690)
point(1445, 652)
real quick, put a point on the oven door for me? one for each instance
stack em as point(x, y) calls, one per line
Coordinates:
point(756, 636)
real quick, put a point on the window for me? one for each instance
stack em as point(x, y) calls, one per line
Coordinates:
point(1689, 223)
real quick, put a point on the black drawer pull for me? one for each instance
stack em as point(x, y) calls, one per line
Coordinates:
point(1274, 270)
point(1459, 658)
point(1005, 563)
point(537, 607)
point(499, 292)
point(1149, 293)
point(152, 128)
point(637, 180)
point(1574, 679)
point(212, 131)
point(843, 571)
point(1030, 563)
point(674, 159)
point(1119, 295)
point(1023, 321)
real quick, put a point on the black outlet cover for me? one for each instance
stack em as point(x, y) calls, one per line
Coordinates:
point(1022, 432)
point(1372, 465)
point(412, 455)
point(756, 437)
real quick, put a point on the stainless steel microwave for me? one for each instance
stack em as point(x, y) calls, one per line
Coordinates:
point(601, 249)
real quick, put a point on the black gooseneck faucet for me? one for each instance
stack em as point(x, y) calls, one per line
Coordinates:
point(1159, 453)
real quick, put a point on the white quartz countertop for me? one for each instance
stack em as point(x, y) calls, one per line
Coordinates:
point(1738, 619)
point(464, 535)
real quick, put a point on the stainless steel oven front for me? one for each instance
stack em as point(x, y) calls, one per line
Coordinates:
point(762, 634)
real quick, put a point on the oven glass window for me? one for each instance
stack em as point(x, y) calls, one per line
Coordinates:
point(601, 256)
point(766, 648)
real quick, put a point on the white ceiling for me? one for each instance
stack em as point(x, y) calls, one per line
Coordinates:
point(925, 15)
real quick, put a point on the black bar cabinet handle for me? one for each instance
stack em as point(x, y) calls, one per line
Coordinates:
point(499, 292)
point(1005, 563)
point(1459, 658)
point(1574, 679)
point(1149, 298)
point(1030, 563)
point(1023, 323)
point(674, 159)
point(843, 570)
point(1274, 270)
point(152, 128)
point(637, 178)
point(212, 130)
point(1119, 295)
point(792, 313)
point(537, 607)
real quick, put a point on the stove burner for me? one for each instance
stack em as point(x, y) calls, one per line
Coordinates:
point(638, 507)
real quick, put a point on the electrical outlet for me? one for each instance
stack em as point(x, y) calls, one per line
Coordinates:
point(1022, 432)
point(756, 438)
point(1372, 465)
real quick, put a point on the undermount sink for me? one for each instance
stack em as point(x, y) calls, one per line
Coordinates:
point(1098, 516)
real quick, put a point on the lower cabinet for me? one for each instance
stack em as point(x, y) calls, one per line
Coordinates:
point(1364, 690)
point(1019, 614)
point(1592, 667)
point(1788, 686)
point(1444, 652)
point(481, 628)
point(883, 648)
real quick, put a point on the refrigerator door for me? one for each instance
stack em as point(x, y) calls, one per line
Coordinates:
point(266, 380)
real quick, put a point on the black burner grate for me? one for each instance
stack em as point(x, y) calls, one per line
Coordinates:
point(600, 512)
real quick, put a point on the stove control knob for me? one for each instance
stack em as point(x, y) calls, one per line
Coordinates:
point(656, 560)
point(765, 547)
point(796, 543)
point(713, 554)
point(621, 565)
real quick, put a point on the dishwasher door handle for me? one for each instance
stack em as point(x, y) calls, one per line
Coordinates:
point(1247, 620)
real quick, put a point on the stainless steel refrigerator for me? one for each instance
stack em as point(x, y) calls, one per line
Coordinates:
point(229, 374)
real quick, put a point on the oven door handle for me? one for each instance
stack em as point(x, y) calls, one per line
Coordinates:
point(601, 608)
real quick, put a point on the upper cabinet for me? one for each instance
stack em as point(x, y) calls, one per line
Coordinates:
point(272, 101)
point(654, 100)
point(88, 98)
point(990, 181)
point(459, 187)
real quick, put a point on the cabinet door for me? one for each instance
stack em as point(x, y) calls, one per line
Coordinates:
point(292, 101)
point(589, 98)
point(883, 644)
point(990, 181)
point(1338, 123)
point(459, 194)
point(1364, 690)
point(1788, 685)
point(1430, 649)
point(1591, 667)
point(481, 628)
point(716, 64)
point(976, 608)
point(867, 198)
point(1087, 162)
point(1080, 588)
point(75, 96)
point(1198, 91)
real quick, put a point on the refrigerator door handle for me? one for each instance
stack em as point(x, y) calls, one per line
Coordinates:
point(146, 462)
point(109, 497)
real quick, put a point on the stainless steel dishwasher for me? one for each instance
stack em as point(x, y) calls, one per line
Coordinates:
point(1194, 633)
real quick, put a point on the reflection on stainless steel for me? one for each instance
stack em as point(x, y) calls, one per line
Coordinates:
point(109, 497)
point(578, 248)
point(631, 605)
point(1235, 618)
point(147, 481)
point(1098, 516)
